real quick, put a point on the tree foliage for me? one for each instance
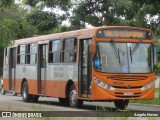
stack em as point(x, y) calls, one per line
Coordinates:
point(107, 12)
point(118, 12)
point(42, 20)
point(6, 3)
point(6, 36)
point(13, 20)
point(62, 4)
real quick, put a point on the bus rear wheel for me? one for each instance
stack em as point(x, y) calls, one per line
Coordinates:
point(121, 104)
point(26, 96)
point(3, 92)
point(73, 101)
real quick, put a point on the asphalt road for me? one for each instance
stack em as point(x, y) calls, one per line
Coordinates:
point(10, 102)
point(89, 111)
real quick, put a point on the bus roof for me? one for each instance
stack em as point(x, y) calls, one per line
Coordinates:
point(82, 33)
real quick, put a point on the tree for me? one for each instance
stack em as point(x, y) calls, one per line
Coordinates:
point(44, 21)
point(62, 4)
point(6, 3)
point(62, 28)
point(107, 12)
point(13, 25)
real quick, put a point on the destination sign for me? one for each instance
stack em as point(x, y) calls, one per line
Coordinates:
point(124, 33)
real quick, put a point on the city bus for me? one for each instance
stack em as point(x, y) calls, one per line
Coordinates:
point(109, 64)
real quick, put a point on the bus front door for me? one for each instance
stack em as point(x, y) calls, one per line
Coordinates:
point(12, 69)
point(42, 69)
point(85, 74)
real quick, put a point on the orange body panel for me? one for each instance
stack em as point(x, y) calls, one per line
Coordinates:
point(6, 84)
point(102, 94)
point(49, 88)
point(55, 88)
point(99, 93)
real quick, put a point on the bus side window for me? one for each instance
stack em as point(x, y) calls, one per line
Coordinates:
point(32, 53)
point(28, 54)
point(70, 46)
point(21, 54)
point(55, 48)
point(50, 54)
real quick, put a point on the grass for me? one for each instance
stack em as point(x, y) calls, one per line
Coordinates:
point(155, 101)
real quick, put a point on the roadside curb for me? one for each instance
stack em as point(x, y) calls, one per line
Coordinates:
point(147, 105)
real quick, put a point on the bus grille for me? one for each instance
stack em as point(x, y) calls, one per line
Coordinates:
point(121, 95)
point(125, 87)
point(127, 78)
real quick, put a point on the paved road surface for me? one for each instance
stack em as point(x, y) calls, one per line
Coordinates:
point(9, 102)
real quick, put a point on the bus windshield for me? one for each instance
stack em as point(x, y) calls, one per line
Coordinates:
point(114, 57)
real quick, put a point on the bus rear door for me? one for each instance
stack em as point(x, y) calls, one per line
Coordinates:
point(12, 69)
point(42, 69)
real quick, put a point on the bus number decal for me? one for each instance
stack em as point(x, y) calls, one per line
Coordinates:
point(58, 74)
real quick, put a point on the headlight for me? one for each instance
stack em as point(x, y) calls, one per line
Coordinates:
point(103, 85)
point(148, 86)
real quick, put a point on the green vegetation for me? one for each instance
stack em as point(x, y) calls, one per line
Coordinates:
point(155, 101)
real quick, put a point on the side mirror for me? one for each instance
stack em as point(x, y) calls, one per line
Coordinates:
point(155, 55)
point(92, 48)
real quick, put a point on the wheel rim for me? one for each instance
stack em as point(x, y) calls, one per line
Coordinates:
point(73, 96)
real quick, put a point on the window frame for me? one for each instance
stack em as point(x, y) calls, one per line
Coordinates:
point(27, 53)
point(30, 52)
point(19, 54)
point(72, 49)
point(51, 52)
point(62, 51)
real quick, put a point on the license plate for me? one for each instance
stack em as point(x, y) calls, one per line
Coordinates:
point(128, 93)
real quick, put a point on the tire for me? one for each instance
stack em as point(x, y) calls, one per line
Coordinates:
point(25, 94)
point(121, 104)
point(3, 92)
point(64, 101)
point(35, 98)
point(73, 101)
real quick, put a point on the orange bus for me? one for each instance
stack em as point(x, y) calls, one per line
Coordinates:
point(111, 63)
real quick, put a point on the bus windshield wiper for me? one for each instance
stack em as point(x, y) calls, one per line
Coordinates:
point(116, 51)
point(130, 53)
point(135, 47)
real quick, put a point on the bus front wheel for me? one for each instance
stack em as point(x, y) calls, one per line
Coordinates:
point(73, 101)
point(25, 94)
point(121, 104)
